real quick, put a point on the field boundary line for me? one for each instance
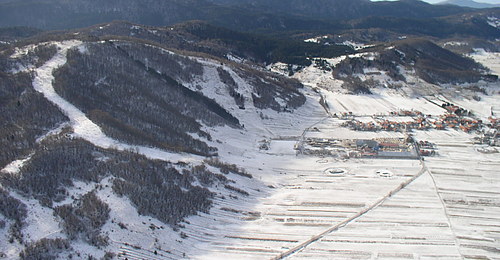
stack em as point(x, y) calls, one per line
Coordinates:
point(344, 223)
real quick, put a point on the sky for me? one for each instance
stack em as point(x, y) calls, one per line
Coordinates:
point(479, 1)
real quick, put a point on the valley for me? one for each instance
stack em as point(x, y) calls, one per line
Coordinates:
point(413, 213)
point(189, 141)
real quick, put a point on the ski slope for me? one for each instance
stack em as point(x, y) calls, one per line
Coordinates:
point(82, 126)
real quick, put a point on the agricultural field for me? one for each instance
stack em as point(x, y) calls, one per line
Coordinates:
point(312, 206)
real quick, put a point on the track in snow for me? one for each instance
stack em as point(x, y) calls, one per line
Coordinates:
point(83, 127)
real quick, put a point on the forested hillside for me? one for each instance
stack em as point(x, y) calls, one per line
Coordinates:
point(225, 134)
point(155, 106)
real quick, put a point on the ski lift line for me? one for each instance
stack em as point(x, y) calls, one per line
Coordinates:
point(344, 223)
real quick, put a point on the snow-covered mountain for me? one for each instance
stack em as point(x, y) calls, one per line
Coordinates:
point(125, 128)
point(469, 3)
point(123, 141)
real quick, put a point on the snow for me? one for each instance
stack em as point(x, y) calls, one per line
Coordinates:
point(467, 181)
point(316, 39)
point(389, 230)
point(21, 68)
point(83, 127)
point(352, 44)
point(448, 210)
point(40, 223)
point(53, 132)
point(15, 166)
point(489, 105)
point(303, 199)
point(279, 68)
point(11, 250)
point(381, 104)
point(19, 52)
point(315, 77)
point(456, 43)
point(22, 51)
point(313, 40)
point(491, 60)
point(298, 204)
point(235, 58)
point(82, 48)
point(137, 231)
point(282, 147)
point(211, 87)
point(356, 46)
point(493, 21)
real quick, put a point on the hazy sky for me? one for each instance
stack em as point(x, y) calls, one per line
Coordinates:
point(479, 1)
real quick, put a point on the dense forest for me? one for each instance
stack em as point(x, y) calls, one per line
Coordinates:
point(430, 62)
point(25, 115)
point(157, 112)
point(156, 188)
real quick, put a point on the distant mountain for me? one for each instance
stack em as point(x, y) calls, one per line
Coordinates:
point(468, 3)
point(477, 24)
point(242, 14)
point(405, 18)
point(346, 9)
point(13, 33)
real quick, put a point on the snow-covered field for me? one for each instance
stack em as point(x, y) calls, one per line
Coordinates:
point(303, 200)
point(300, 198)
point(381, 104)
point(489, 59)
point(446, 207)
point(447, 211)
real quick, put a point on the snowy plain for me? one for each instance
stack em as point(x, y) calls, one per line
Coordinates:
point(449, 210)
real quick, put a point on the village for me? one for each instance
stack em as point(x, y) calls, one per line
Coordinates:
point(418, 121)
point(402, 144)
point(408, 120)
point(390, 148)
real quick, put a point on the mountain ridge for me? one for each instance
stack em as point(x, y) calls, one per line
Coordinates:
point(468, 3)
point(84, 13)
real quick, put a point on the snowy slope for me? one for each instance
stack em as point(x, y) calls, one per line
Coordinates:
point(294, 204)
point(304, 201)
point(490, 60)
point(82, 126)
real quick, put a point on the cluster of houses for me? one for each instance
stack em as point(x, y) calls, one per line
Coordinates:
point(426, 148)
point(489, 135)
point(401, 148)
point(358, 148)
point(388, 125)
point(454, 109)
point(456, 120)
point(412, 113)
